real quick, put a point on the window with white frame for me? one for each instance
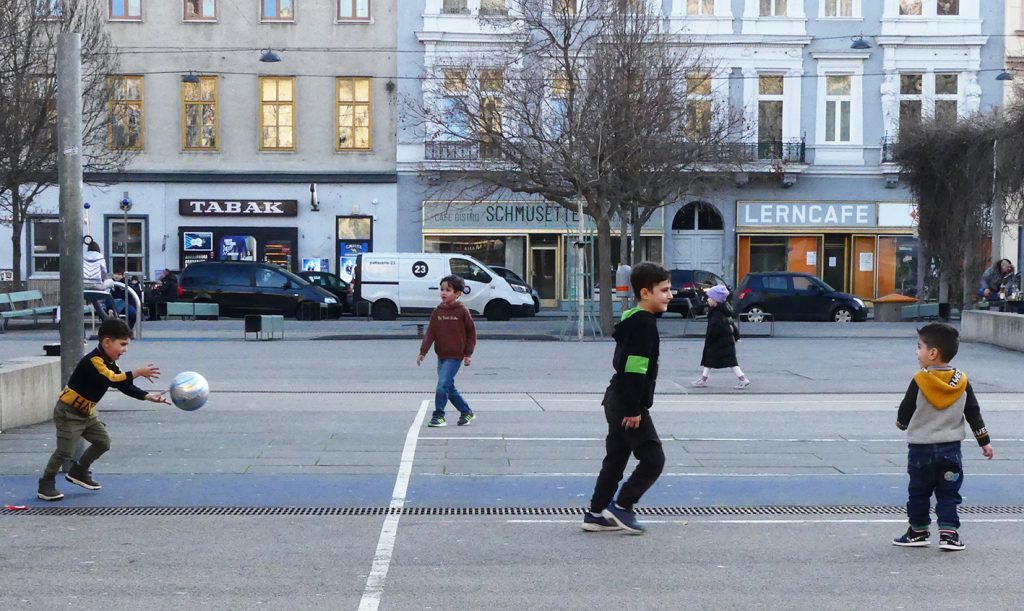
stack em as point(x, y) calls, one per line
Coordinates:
point(49, 9)
point(698, 105)
point(838, 8)
point(702, 8)
point(770, 96)
point(947, 7)
point(277, 10)
point(911, 7)
point(492, 84)
point(44, 245)
point(493, 7)
point(126, 247)
point(200, 10)
point(125, 10)
point(455, 7)
point(454, 87)
point(838, 107)
point(563, 7)
point(353, 10)
point(931, 95)
point(773, 8)
point(558, 101)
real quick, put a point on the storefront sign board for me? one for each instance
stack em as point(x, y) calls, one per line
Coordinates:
point(238, 207)
point(513, 216)
point(807, 214)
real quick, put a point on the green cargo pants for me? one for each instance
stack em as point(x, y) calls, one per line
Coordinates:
point(73, 425)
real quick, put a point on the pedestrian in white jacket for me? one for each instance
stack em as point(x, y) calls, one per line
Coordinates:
point(94, 274)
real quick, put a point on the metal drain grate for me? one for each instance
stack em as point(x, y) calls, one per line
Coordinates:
point(681, 511)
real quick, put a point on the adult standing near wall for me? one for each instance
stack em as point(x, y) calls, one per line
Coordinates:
point(996, 279)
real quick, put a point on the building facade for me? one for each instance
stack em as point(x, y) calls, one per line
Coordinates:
point(237, 157)
point(1012, 238)
point(824, 86)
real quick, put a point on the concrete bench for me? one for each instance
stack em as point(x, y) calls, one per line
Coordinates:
point(23, 304)
point(264, 326)
point(28, 389)
point(919, 311)
point(184, 309)
point(997, 328)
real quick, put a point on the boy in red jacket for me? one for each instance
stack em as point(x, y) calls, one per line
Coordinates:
point(453, 334)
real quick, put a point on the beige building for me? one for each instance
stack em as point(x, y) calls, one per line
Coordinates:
point(1014, 31)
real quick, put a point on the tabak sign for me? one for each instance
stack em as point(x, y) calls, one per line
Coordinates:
point(238, 207)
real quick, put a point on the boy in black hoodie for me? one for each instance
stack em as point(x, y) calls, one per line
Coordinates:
point(627, 400)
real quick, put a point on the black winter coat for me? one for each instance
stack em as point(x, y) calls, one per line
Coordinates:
point(721, 338)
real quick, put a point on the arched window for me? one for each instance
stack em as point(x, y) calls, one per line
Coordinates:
point(700, 216)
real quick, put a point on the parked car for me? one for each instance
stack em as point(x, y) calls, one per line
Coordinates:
point(795, 296)
point(246, 287)
point(333, 284)
point(518, 284)
point(408, 283)
point(689, 287)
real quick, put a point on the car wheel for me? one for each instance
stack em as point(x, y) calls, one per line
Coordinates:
point(384, 310)
point(536, 305)
point(755, 313)
point(842, 315)
point(498, 310)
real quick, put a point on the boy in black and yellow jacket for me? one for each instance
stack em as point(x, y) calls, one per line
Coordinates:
point(627, 402)
point(933, 411)
point(75, 413)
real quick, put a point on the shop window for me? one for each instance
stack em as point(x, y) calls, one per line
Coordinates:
point(354, 112)
point(277, 10)
point(703, 8)
point(897, 265)
point(353, 10)
point(126, 251)
point(44, 245)
point(126, 112)
point(200, 10)
point(773, 8)
point(768, 254)
point(199, 115)
point(125, 10)
point(490, 250)
point(277, 116)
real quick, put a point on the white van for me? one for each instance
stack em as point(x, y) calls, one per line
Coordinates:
point(409, 283)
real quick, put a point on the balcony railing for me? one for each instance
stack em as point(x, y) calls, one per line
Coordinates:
point(793, 151)
point(454, 10)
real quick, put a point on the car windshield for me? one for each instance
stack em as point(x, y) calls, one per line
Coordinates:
point(825, 287)
point(298, 280)
point(509, 275)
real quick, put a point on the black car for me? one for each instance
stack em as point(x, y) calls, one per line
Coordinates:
point(795, 296)
point(332, 284)
point(245, 287)
point(514, 280)
point(688, 287)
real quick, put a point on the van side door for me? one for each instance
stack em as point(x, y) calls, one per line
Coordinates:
point(419, 280)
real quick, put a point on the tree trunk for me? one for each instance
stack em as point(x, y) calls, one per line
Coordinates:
point(17, 228)
point(638, 254)
point(623, 237)
point(922, 270)
point(604, 273)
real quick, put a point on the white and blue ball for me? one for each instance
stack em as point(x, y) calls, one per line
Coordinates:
point(189, 391)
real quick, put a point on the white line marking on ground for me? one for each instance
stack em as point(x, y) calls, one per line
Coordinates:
point(389, 531)
point(780, 521)
point(704, 474)
point(686, 439)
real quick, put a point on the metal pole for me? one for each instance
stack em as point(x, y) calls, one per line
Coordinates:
point(580, 271)
point(69, 178)
point(125, 237)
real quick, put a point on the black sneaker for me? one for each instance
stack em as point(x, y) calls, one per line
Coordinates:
point(949, 540)
point(596, 524)
point(625, 518)
point(437, 422)
point(913, 538)
point(465, 419)
point(48, 490)
point(80, 476)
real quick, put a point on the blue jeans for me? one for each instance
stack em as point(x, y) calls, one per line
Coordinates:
point(446, 370)
point(934, 468)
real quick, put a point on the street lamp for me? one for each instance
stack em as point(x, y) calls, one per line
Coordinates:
point(190, 78)
point(860, 44)
point(270, 57)
point(1004, 76)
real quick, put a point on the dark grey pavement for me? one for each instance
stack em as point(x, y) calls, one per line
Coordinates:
point(324, 425)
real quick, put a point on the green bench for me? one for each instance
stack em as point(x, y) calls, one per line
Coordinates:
point(265, 326)
point(23, 304)
point(184, 309)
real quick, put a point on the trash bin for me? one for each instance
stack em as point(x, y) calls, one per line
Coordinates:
point(890, 307)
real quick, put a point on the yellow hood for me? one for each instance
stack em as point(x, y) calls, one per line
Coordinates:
point(942, 387)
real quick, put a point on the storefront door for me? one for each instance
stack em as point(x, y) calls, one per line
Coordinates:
point(834, 268)
point(544, 261)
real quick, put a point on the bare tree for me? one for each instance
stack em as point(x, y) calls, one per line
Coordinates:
point(29, 30)
point(586, 107)
point(951, 171)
